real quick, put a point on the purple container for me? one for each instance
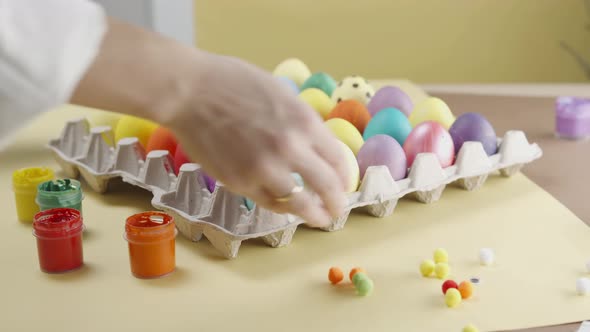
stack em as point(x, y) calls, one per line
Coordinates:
point(572, 117)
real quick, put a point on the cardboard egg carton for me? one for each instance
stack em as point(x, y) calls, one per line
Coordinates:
point(223, 217)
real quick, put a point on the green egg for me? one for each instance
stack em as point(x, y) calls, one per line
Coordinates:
point(320, 81)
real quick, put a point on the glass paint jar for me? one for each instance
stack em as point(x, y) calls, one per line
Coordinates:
point(151, 240)
point(66, 193)
point(59, 239)
point(24, 185)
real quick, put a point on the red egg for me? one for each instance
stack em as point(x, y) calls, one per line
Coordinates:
point(430, 136)
point(162, 139)
point(180, 158)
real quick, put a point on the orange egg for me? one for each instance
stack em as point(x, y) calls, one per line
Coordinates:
point(354, 271)
point(352, 111)
point(335, 275)
point(466, 289)
point(162, 139)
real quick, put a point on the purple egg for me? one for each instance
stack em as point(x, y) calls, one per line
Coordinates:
point(383, 150)
point(210, 182)
point(390, 96)
point(474, 127)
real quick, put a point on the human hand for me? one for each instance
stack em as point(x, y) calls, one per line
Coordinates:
point(249, 131)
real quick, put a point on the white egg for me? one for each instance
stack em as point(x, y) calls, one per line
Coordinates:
point(486, 256)
point(294, 69)
point(583, 286)
point(353, 87)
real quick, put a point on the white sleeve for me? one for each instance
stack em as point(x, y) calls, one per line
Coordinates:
point(45, 48)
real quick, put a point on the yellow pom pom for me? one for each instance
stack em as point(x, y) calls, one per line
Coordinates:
point(442, 270)
point(452, 297)
point(470, 328)
point(441, 256)
point(427, 267)
point(318, 100)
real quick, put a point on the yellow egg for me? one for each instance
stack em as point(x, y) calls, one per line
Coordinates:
point(470, 328)
point(427, 267)
point(347, 133)
point(104, 118)
point(293, 69)
point(452, 297)
point(441, 256)
point(432, 109)
point(353, 87)
point(353, 177)
point(442, 270)
point(318, 100)
point(130, 126)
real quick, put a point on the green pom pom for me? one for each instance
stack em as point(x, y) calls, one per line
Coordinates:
point(358, 277)
point(364, 287)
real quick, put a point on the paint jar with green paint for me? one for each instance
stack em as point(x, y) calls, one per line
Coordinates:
point(63, 193)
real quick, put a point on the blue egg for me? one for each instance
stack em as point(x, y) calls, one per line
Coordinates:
point(389, 121)
point(292, 85)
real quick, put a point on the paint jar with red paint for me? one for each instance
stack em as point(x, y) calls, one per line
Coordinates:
point(151, 240)
point(59, 239)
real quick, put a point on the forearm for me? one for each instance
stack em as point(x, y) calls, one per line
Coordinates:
point(140, 73)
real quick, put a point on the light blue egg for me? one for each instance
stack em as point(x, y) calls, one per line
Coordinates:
point(292, 85)
point(249, 203)
point(389, 121)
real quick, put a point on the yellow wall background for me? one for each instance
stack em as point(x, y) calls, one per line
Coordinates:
point(428, 41)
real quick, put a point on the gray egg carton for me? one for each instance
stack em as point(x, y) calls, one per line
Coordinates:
point(223, 217)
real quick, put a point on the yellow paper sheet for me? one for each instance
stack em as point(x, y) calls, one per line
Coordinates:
point(541, 249)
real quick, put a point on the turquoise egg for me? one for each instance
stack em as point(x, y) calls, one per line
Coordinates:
point(249, 203)
point(389, 121)
point(320, 81)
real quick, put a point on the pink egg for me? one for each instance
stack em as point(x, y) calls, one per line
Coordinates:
point(430, 136)
point(383, 150)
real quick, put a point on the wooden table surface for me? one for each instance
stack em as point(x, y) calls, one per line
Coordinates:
point(563, 169)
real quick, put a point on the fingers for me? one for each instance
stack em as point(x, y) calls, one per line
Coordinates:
point(328, 147)
point(277, 182)
point(320, 177)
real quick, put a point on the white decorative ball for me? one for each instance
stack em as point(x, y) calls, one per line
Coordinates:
point(486, 256)
point(583, 286)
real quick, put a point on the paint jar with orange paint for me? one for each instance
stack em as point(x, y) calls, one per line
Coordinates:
point(151, 240)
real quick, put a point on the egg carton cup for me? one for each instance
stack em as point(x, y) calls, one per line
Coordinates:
point(224, 218)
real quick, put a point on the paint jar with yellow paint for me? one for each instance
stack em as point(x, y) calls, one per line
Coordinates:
point(24, 185)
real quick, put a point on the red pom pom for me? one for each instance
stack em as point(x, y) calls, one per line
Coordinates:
point(449, 284)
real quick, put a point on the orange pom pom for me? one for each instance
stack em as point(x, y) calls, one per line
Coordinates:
point(353, 112)
point(466, 289)
point(354, 271)
point(335, 275)
point(162, 139)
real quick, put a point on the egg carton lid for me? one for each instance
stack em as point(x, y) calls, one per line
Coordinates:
point(224, 217)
